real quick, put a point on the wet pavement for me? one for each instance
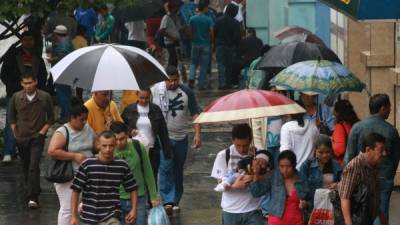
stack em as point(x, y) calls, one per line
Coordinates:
point(200, 205)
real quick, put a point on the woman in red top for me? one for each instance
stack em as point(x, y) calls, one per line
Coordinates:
point(346, 117)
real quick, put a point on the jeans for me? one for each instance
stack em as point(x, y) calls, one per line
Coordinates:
point(64, 193)
point(171, 172)
point(126, 206)
point(173, 57)
point(200, 56)
point(30, 152)
point(224, 56)
point(64, 95)
point(9, 139)
point(385, 191)
point(249, 218)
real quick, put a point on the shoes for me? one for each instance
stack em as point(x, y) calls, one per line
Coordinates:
point(7, 158)
point(33, 204)
point(168, 209)
point(176, 208)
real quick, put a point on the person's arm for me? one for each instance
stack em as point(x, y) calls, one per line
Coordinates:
point(50, 116)
point(149, 177)
point(212, 37)
point(131, 217)
point(197, 133)
point(12, 114)
point(56, 149)
point(395, 151)
point(346, 210)
point(74, 208)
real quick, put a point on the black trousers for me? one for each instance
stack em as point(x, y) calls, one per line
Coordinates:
point(154, 155)
point(173, 57)
point(30, 152)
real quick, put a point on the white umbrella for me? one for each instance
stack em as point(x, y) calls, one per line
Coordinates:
point(108, 67)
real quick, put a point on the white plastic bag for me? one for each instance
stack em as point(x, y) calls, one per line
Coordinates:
point(323, 209)
point(158, 216)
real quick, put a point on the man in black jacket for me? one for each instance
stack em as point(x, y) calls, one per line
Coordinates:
point(227, 39)
point(17, 61)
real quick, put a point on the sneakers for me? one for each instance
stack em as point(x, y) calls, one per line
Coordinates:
point(168, 209)
point(7, 158)
point(176, 208)
point(33, 204)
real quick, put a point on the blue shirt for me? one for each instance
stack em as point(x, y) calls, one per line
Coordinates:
point(312, 171)
point(375, 124)
point(86, 18)
point(201, 25)
point(275, 185)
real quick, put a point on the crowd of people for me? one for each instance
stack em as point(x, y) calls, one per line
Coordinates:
point(358, 162)
point(130, 157)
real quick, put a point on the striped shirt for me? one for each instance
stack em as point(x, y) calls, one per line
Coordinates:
point(356, 173)
point(99, 183)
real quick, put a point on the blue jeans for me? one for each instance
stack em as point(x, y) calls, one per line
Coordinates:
point(64, 95)
point(10, 145)
point(224, 56)
point(385, 191)
point(249, 218)
point(171, 172)
point(200, 56)
point(126, 206)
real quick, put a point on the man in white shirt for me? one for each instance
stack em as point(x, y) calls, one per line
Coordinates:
point(238, 205)
point(136, 35)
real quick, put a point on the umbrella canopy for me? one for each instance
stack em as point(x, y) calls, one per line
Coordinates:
point(284, 55)
point(367, 9)
point(325, 77)
point(297, 34)
point(108, 67)
point(141, 11)
point(248, 104)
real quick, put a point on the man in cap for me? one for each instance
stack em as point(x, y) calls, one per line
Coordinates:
point(62, 47)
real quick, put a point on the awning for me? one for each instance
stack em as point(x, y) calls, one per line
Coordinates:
point(367, 9)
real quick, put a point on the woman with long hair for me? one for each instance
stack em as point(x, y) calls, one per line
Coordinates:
point(346, 117)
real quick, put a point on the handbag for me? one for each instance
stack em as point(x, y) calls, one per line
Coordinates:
point(323, 208)
point(60, 171)
point(158, 216)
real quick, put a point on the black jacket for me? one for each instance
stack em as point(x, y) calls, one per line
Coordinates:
point(158, 124)
point(13, 68)
point(227, 29)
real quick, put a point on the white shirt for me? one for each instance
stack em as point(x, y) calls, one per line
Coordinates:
point(30, 97)
point(143, 124)
point(234, 201)
point(299, 139)
point(136, 30)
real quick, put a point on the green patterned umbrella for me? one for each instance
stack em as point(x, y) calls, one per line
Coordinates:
point(321, 76)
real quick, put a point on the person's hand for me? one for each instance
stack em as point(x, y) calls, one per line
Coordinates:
point(131, 217)
point(79, 157)
point(348, 222)
point(302, 204)
point(97, 38)
point(196, 141)
point(134, 132)
point(155, 203)
point(73, 221)
point(242, 182)
point(331, 186)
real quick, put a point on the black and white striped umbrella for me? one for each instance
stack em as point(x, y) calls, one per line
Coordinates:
point(108, 67)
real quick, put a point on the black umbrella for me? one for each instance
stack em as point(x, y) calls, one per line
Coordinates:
point(141, 11)
point(284, 55)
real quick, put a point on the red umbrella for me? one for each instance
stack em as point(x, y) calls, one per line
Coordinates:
point(248, 104)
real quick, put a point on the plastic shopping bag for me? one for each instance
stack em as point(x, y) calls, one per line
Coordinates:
point(322, 213)
point(158, 216)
